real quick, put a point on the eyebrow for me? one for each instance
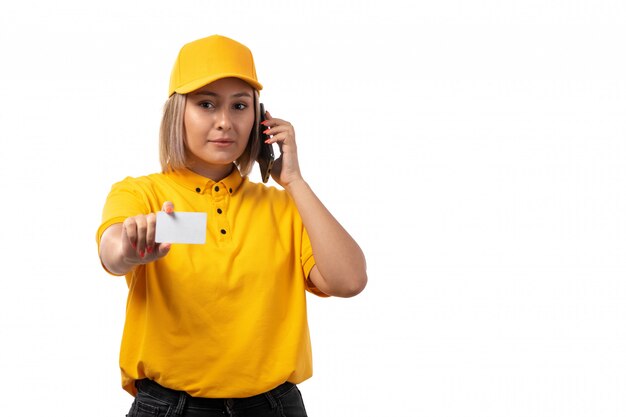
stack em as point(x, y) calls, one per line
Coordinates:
point(211, 94)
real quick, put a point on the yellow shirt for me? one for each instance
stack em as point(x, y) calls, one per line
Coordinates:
point(226, 319)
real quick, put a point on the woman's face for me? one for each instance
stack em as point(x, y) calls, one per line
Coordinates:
point(218, 121)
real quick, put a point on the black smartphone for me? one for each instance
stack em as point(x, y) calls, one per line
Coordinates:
point(266, 153)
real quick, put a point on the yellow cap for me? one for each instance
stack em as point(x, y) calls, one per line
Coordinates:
point(209, 59)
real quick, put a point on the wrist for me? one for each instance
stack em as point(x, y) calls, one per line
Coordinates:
point(294, 185)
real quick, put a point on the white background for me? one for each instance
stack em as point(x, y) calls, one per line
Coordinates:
point(475, 150)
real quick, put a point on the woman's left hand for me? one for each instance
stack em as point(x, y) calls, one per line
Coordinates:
point(286, 168)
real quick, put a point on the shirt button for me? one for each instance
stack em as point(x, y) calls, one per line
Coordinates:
point(230, 190)
point(216, 188)
point(219, 211)
point(198, 190)
point(223, 231)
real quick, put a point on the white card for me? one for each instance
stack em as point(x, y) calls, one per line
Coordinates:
point(181, 227)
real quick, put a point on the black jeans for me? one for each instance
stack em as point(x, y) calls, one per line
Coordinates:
point(156, 401)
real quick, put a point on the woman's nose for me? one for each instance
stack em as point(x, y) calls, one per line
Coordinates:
point(223, 120)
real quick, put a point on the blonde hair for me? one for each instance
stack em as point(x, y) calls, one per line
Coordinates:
point(172, 136)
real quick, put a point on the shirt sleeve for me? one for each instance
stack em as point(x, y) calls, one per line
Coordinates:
point(308, 262)
point(124, 200)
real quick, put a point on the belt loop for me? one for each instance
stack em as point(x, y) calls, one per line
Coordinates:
point(180, 407)
point(271, 399)
point(228, 403)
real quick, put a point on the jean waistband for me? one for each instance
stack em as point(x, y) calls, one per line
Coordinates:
point(173, 396)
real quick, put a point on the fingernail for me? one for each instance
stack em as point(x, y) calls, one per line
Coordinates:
point(264, 122)
point(141, 253)
point(265, 131)
point(169, 210)
point(149, 249)
point(267, 141)
point(133, 244)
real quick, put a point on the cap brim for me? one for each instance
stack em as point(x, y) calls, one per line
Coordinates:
point(201, 82)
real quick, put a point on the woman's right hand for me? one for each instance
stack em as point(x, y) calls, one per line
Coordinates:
point(126, 245)
point(138, 232)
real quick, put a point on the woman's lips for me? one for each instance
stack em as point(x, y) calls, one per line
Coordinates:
point(221, 142)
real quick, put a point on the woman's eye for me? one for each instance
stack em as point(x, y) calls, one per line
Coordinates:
point(240, 106)
point(206, 105)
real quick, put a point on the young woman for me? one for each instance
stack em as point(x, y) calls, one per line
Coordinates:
point(220, 328)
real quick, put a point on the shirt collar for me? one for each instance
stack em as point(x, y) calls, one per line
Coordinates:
point(201, 185)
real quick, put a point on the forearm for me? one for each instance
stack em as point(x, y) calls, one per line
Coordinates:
point(338, 258)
